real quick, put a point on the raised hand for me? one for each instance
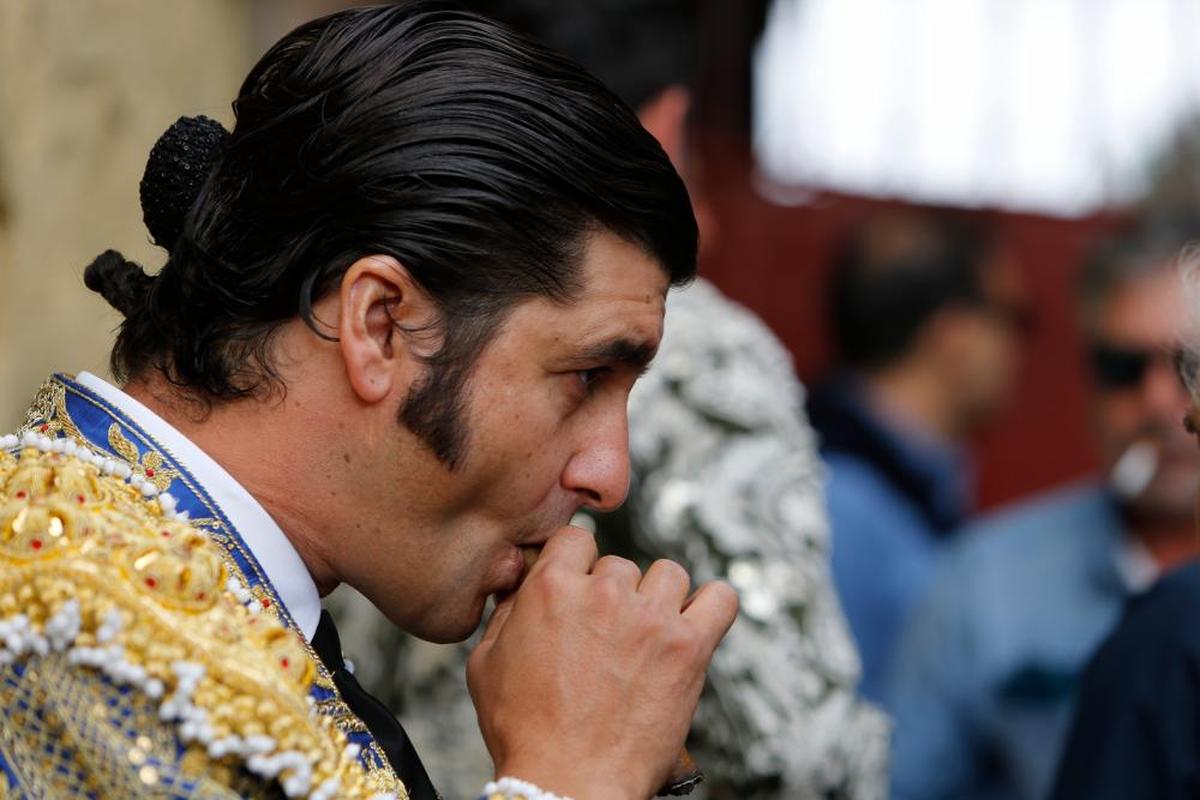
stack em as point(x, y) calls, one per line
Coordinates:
point(587, 676)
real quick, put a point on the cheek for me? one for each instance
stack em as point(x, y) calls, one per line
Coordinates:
point(1119, 417)
point(517, 437)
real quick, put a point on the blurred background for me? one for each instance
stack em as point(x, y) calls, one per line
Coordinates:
point(840, 152)
point(1046, 119)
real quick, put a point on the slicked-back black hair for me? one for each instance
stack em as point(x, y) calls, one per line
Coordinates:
point(477, 158)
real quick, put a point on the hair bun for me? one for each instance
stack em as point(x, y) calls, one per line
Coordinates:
point(121, 282)
point(178, 165)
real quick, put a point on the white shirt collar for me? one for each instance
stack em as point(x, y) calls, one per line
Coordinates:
point(262, 535)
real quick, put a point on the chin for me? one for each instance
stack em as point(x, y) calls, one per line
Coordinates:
point(447, 626)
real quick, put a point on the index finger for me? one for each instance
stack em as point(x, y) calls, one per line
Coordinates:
point(569, 547)
point(712, 609)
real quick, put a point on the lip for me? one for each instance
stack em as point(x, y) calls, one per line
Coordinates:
point(511, 571)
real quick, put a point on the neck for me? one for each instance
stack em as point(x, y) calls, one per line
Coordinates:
point(239, 436)
point(914, 397)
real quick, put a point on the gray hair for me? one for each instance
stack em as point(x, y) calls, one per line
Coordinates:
point(1188, 361)
point(1133, 256)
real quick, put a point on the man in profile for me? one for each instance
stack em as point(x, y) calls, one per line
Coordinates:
point(725, 479)
point(405, 303)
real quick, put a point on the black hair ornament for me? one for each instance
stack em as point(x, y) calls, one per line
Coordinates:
point(179, 163)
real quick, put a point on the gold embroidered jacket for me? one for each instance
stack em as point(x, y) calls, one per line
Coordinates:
point(143, 653)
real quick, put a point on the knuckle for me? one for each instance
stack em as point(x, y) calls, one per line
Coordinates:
point(623, 565)
point(672, 569)
point(553, 581)
point(609, 590)
point(680, 644)
point(626, 564)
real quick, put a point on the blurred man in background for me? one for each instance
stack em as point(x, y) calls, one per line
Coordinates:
point(927, 327)
point(1136, 730)
point(725, 477)
point(988, 665)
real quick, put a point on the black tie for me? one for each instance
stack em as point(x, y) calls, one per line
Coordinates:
point(375, 715)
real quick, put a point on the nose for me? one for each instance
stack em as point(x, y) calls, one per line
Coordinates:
point(599, 470)
point(1162, 392)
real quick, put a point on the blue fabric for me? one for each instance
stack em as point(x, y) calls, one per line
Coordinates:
point(883, 555)
point(893, 498)
point(983, 683)
point(1136, 735)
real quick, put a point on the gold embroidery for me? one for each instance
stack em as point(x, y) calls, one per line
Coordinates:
point(379, 770)
point(70, 534)
point(124, 448)
point(48, 413)
point(149, 465)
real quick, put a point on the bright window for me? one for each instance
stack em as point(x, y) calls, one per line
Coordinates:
point(1055, 106)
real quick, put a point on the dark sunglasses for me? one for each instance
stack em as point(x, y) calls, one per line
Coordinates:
point(1118, 367)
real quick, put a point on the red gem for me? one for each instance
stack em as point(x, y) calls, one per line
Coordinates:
point(36, 544)
point(283, 662)
point(266, 602)
point(199, 595)
point(149, 472)
point(21, 495)
point(44, 428)
point(151, 582)
point(166, 534)
point(81, 499)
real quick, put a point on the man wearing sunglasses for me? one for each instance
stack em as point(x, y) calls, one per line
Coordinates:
point(988, 664)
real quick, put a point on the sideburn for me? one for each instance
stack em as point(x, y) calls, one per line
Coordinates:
point(435, 407)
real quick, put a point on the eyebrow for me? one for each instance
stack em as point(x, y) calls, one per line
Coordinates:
point(632, 353)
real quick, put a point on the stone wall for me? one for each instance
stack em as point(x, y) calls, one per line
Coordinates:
point(85, 89)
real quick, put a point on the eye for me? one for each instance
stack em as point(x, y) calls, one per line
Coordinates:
point(589, 377)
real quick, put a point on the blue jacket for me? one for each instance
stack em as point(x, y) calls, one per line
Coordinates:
point(894, 497)
point(983, 683)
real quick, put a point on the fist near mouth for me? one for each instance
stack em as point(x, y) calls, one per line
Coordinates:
point(587, 677)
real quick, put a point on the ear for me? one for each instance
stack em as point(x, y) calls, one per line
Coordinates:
point(380, 305)
point(665, 117)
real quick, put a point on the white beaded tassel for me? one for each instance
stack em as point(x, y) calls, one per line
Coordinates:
point(18, 637)
point(106, 464)
point(514, 787)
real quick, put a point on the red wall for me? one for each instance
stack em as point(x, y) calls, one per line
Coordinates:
point(772, 259)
